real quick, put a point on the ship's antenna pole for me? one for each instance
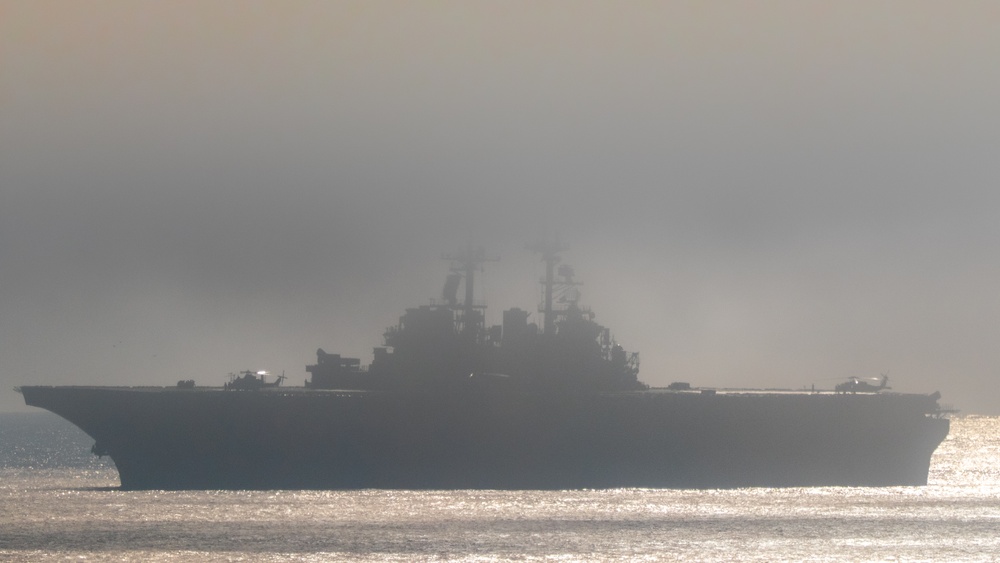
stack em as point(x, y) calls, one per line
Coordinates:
point(470, 264)
point(466, 263)
point(549, 249)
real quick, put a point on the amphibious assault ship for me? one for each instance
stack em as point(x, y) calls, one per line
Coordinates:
point(450, 403)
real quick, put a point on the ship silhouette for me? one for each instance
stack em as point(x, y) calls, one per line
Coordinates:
point(450, 403)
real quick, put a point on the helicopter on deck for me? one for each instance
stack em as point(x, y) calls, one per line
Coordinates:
point(860, 385)
point(251, 381)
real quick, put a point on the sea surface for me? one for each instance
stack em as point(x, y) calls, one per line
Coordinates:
point(58, 502)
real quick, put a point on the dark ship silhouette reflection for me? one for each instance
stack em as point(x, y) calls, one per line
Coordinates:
point(450, 403)
point(446, 343)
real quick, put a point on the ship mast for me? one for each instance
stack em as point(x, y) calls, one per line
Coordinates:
point(549, 249)
point(466, 263)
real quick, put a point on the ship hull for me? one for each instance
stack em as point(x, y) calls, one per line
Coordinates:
point(166, 438)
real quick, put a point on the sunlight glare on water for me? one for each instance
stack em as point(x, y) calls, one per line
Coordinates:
point(75, 512)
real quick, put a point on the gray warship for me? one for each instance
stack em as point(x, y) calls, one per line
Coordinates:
point(450, 403)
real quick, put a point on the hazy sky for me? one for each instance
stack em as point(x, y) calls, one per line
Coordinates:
point(756, 194)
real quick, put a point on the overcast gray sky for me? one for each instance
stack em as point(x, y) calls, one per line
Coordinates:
point(756, 194)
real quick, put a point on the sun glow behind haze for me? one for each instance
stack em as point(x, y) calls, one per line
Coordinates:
point(759, 194)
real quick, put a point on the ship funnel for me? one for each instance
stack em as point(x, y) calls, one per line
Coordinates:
point(450, 292)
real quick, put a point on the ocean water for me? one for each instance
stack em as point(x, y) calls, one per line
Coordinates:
point(59, 503)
